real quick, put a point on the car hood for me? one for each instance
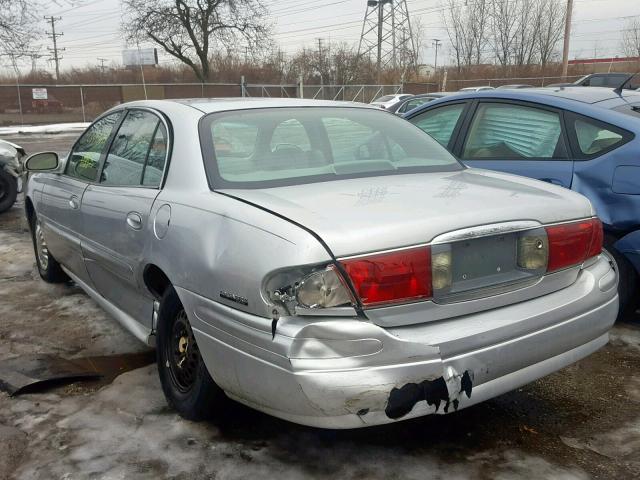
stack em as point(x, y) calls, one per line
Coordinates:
point(378, 213)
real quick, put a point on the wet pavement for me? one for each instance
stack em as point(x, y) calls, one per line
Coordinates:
point(582, 422)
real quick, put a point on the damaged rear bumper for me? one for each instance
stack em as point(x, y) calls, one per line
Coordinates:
point(348, 373)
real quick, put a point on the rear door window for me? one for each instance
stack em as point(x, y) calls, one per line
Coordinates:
point(440, 122)
point(513, 131)
point(127, 156)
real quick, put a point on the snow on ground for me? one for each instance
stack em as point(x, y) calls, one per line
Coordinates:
point(49, 129)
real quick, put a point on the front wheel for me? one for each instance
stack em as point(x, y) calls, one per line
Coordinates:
point(186, 383)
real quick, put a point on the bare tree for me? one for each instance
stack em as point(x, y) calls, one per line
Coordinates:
point(191, 30)
point(631, 38)
point(18, 25)
point(467, 28)
point(549, 21)
point(504, 25)
point(524, 44)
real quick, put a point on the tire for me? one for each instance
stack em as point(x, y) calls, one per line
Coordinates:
point(8, 190)
point(627, 285)
point(48, 267)
point(185, 380)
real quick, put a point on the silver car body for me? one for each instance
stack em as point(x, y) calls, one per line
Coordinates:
point(340, 368)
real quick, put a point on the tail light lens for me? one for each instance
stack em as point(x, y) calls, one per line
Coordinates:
point(572, 243)
point(323, 289)
point(393, 277)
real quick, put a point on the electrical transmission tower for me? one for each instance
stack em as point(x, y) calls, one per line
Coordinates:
point(53, 35)
point(386, 33)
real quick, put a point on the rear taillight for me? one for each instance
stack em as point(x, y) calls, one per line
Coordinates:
point(394, 277)
point(414, 274)
point(572, 243)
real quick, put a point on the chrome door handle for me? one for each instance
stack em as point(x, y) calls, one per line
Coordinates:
point(73, 202)
point(134, 220)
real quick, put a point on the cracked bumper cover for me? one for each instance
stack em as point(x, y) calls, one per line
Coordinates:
point(347, 373)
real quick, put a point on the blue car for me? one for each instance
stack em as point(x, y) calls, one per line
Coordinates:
point(585, 139)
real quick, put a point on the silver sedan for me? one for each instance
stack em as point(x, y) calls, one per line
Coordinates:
point(324, 262)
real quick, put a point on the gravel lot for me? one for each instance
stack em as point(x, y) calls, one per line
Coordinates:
point(582, 422)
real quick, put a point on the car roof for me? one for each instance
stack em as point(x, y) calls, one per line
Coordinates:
point(588, 95)
point(597, 102)
point(211, 105)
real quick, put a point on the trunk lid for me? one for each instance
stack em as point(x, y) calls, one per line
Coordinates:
point(372, 214)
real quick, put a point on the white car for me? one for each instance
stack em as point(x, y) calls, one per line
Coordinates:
point(387, 100)
point(476, 89)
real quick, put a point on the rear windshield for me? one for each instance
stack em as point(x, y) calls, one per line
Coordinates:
point(270, 147)
point(386, 98)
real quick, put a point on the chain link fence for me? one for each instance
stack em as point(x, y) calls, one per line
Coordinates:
point(43, 104)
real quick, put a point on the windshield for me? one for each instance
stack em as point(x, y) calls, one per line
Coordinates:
point(270, 147)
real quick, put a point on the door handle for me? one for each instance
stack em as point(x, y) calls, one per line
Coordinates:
point(73, 202)
point(134, 220)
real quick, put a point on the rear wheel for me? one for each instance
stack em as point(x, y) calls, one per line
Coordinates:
point(186, 383)
point(627, 285)
point(48, 267)
point(8, 190)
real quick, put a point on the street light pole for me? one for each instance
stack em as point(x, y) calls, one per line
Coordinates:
point(436, 43)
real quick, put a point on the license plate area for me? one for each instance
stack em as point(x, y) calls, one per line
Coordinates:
point(482, 267)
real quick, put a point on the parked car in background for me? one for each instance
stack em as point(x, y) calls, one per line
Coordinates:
point(49, 105)
point(476, 89)
point(322, 262)
point(611, 80)
point(514, 86)
point(11, 158)
point(585, 139)
point(408, 104)
point(387, 101)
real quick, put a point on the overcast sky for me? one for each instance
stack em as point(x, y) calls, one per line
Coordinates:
point(92, 27)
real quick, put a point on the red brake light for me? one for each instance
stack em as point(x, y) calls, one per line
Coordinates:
point(572, 243)
point(393, 277)
point(597, 240)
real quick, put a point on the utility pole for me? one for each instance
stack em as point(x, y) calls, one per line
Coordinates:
point(320, 64)
point(436, 43)
point(102, 60)
point(53, 35)
point(380, 22)
point(567, 38)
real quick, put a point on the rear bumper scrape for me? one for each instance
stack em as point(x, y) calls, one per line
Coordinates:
point(446, 389)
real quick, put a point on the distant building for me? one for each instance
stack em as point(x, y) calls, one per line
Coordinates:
point(604, 65)
point(425, 70)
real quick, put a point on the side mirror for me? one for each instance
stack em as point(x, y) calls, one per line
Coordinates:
point(42, 162)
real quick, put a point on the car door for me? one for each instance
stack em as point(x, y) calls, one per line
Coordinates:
point(115, 211)
point(62, 195)
point(516, 137)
